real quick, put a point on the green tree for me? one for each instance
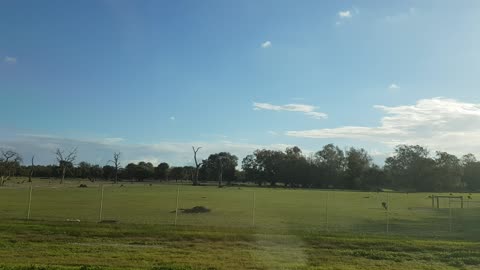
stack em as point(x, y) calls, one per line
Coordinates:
point(251, 170)
point(411, 168)
point(139, 172)
point(294, 168)
point(373, 178)
point(108, 172)
point(358, 162)
point(269, 164)
point(471, 172)
point(331, 165)
point(176, 173)
point(449, 171)
point(161, 171)
point(221, 167)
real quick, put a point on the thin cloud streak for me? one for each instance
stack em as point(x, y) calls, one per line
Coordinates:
point(308, 110)
point(10, 60)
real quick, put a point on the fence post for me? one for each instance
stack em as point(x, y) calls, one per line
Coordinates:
point(253, 210)
point(101, 204)
point(449, 215)
point(326, 211)
point(29, 201)
point(387, 214)
point(176, 206)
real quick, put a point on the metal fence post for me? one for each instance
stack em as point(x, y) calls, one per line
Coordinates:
point(176, 207)
point(29, 201)
point(326, 211)
point(387, 214)
point(253, 210)
point(450, 214)
point(101, 205)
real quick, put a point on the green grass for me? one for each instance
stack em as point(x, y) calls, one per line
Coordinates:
point(282, 210)
point(60, 245)
point(291, 229)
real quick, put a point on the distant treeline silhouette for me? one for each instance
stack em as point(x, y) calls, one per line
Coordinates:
point(410, 168)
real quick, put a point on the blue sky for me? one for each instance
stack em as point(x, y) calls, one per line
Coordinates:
point(152, 78)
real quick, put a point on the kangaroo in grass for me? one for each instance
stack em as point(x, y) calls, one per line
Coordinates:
point(385, 206)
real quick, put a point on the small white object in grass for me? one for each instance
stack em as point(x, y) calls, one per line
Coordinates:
point(73, 220)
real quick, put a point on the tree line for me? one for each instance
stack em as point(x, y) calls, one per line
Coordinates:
point(410, 168)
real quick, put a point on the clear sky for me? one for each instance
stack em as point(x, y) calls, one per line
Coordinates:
point(153, 78)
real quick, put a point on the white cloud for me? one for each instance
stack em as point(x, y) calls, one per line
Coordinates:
point(266, 44)
point(10, 60)
point(345, 14)
point(393, 86)
point(438, 123)
point(172, 118)
point(303, 108)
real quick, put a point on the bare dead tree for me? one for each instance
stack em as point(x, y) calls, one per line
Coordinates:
point(31, 170)
point(65, 159)
point(8, 163)
point(116, 164)
point(197, 165)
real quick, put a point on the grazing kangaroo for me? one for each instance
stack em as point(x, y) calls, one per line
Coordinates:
point(385, 206)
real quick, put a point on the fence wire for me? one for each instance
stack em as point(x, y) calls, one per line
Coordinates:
point(244, 207)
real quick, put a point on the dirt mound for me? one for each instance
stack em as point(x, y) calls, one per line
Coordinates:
point(196, 210)
point(108, 221)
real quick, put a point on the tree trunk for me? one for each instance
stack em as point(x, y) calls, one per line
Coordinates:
point(220, 179)
point(195, 179)
point(63, 174)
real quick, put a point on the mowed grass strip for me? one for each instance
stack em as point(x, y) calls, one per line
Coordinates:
point(61, 245)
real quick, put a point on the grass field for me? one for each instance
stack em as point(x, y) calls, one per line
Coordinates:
point(247, 228)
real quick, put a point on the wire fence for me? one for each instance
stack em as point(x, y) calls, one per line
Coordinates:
point(245, 207)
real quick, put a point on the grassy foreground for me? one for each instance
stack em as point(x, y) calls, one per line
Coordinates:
point(247, 228)
point(61, 245)
point(282, 210)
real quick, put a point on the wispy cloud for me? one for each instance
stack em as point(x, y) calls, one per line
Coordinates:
point(273, 133)
point(303, 108)
point(401, 16)
point(172, 118)
point(345, 14)
point(439, 123)
point(393, 86)
point(266, 44)
point(10, 60)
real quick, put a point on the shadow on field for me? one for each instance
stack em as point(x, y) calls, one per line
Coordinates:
point(399, 251)
point(438, 224)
